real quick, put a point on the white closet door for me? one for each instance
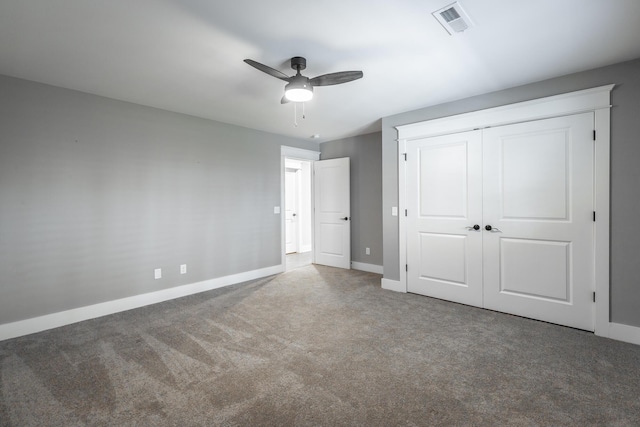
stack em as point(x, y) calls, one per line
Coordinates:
point(538, 199)
point(444, 202)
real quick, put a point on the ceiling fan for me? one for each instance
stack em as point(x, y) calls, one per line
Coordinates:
point(299, 87)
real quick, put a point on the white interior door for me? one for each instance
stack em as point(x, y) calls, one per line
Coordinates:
point(332, 224)
point(538, 199)
point(290, 210)
point(444, 203)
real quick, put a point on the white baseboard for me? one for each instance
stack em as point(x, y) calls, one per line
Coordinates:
point(371, 268)
point(393, 285)
point(616, 331)
point(55, 320)
point(626, 333)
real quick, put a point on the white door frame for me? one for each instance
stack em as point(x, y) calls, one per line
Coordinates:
point(294, 227)
point(596, 100)
point(287, 152)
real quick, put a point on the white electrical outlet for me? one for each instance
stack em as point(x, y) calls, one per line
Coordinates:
point(157, 273)
point(183, 268)
point(367, 251)
point(276, 209)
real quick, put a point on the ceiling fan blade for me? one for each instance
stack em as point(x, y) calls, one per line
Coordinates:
point(265, 69)
point(284, 100)
point(336, 78)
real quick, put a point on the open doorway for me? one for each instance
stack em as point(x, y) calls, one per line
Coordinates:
point(298, 216)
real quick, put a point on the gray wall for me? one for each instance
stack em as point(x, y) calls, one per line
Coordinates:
point(625, 172)
point(365, 152)
point(96, 193)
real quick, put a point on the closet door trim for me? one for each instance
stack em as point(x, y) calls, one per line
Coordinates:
point(596, 100)
point(571, 103)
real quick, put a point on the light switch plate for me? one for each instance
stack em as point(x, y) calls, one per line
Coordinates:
point(276, 209)
point(157, 273)
point(394, 211)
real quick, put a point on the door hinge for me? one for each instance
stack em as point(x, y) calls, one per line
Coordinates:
point(405, 212)
point(594, 297)
point(406, 267)
point(405, 156)
point(594, 216)
point(594, 135)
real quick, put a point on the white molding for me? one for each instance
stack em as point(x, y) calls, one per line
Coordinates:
point(626, 333)
point(596, 100)
point(393, 285)
point(537, 109)
point(602, 225)
point(56, 320)
point(299, 153)
point(362, 266)
point(402, 205)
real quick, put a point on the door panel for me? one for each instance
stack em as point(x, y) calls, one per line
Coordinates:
point(443, 258)
point(333, 213)
point(546, 278)
point(444, 197)
point(538, 197)
point(443, 180)
point(535, 181)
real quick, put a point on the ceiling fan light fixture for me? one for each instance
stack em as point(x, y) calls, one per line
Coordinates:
point(296, 92)
point(299, 88)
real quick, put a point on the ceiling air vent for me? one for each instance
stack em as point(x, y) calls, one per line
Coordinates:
point(453, 18)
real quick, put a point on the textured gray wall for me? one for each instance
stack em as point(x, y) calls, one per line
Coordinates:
point(365, 152)
point(96, 193)
point(625, 173)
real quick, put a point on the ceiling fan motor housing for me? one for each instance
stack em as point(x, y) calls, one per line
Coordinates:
point(298, 63)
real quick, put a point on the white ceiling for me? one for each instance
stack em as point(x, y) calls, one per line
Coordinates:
point(186, 55)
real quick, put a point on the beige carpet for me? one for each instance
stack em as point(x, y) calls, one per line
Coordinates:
point(317, 346)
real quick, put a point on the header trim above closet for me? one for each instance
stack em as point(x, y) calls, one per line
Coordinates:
point(553, 106)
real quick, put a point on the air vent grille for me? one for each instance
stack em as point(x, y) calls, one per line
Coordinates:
point(453, 18)
point(450, 14)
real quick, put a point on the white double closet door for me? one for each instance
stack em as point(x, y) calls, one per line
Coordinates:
point(502, 218)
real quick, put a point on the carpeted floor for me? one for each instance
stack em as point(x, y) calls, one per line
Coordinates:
point(317, 346)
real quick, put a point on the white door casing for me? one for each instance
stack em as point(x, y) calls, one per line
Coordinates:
point(290, 210)
point(444, 202)
point(305, 207)
point(529, 187)
point(332, 224)
point(291, 153)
